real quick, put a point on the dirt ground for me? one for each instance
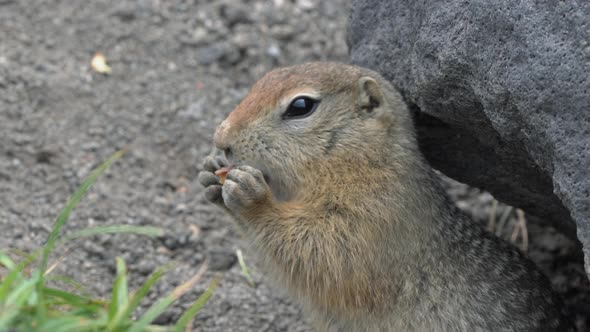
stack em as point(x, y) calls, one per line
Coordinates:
point(178, 68)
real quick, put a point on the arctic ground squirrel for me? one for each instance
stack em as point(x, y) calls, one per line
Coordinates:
point(332, 193)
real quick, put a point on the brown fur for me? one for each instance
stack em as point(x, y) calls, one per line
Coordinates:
point(266, 93)
point(354, 223)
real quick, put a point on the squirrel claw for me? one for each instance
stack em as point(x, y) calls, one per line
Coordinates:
point(213, 163)
point(243, 188)
point(209, 180)
point(213, 194)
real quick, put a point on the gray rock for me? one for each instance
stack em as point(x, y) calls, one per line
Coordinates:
point(501, 91)
point(146, 267)
point(274, 51)
point(221, 260)
point(210, 54)
point(233, 14)
point(125, 12)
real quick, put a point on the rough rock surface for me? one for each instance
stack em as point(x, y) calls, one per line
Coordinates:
point(502, 90)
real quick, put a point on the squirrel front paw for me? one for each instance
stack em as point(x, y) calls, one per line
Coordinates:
point(210, 181)
point(244, 188)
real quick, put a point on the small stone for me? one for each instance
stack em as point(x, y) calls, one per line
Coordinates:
point(180, 208)
point(124, 13)
point(171, 243)
point(4, 176)
point(198, 36)
point(221, 260)
point(233, 54)
point(196, 258)
point(211, 54)
point(168, 317)
point(44, 156)
point(146, 267)
point(176, 241)
point(235, 14)
point(283, 31)
point(245, 39)
point(305, 4)
point(274, 51)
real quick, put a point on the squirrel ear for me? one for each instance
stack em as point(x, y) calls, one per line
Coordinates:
point(370, 95)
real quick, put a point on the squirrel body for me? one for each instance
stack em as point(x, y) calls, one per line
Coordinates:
point(334, 196)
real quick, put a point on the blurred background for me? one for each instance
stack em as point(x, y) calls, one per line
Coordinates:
point(175, 70)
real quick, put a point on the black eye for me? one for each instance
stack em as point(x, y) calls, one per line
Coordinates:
point(300, 107)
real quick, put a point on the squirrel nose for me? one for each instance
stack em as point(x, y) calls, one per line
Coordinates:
point(222, 139)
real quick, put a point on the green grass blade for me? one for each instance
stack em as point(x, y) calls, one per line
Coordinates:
point(136, 298)
point(8, 313)
point(119, 294)
point(15, 300)
point(78, 287)
point(194, 309)
point(159, 307)
point(71, 298)
point(152, 313)
point(71, 204)
point(14, 275)
point(245, 271)
point(6, 261)
point(61, 220)
point(112, 229)
point(70, 323)
point(123, 291)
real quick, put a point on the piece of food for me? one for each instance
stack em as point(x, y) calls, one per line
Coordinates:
point(99, 64)
point(222, 173)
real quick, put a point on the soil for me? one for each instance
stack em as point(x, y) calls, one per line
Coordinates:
point(178, 68)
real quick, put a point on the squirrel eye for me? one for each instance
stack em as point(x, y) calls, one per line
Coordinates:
point(300, 107)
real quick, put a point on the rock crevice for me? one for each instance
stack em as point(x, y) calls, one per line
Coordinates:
point(501, 91)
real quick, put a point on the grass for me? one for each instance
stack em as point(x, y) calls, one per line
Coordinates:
point(245, 271)
point(29, 303)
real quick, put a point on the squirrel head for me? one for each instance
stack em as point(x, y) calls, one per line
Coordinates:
point(297, 117)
